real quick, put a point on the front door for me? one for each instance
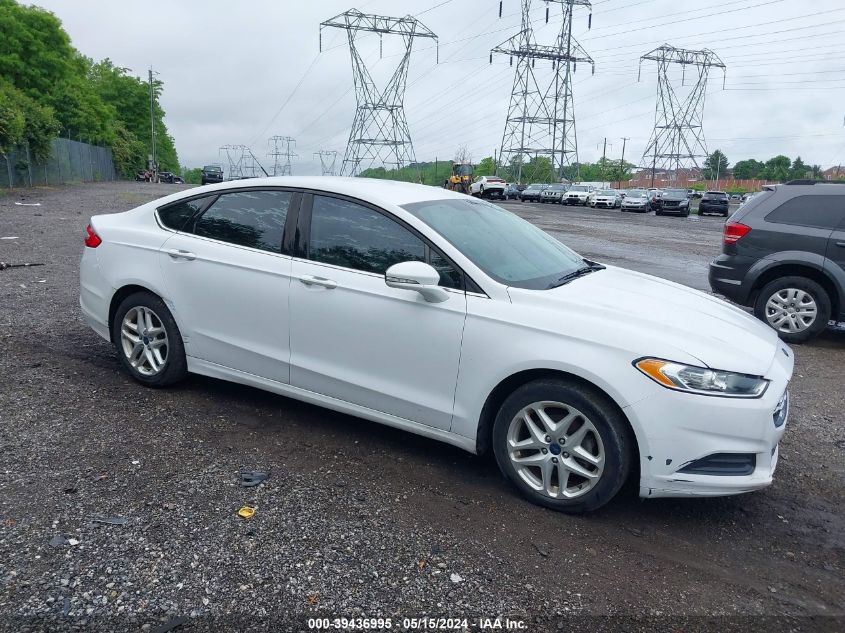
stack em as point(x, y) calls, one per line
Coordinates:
point(353, 337)
point(229, 281)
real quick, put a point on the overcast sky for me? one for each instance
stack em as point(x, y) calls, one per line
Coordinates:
point(238, 73)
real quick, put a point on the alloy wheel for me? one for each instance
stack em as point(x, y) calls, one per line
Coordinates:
point(143, 339)
point(791, 310)
point(555, 449)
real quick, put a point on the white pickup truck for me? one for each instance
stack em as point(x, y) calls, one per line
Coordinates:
point(488, 187)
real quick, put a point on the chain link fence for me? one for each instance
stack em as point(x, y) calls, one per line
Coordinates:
point(70, 161)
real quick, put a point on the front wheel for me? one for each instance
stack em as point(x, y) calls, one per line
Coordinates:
point(796, 307)
point(148, 340)
point(563, 445)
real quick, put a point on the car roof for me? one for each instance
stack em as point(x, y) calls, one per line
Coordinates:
point(370, 189)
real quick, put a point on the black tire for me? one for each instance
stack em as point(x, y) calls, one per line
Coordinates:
point(175, 366)
point(809, 286)
point(613, 429)
point(658, 213)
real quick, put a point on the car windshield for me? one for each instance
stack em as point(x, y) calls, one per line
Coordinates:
point(606, 192)
point(578, 188)
point(557, 188)
point(507, 248)
point(675, 193)
point(636, 194)
point(536, 186)
point(211, 168)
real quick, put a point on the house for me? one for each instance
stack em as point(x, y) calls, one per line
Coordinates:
point(834, 173)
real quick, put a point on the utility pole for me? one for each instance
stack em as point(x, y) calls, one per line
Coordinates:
point(154, 166)
point(625, 139)
point(604, 160)
point(678, 138)
point(541, 118)
point(380, 135)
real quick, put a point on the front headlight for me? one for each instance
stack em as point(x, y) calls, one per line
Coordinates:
point(712, 382)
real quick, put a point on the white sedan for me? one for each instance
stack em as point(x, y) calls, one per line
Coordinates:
point(450, 317)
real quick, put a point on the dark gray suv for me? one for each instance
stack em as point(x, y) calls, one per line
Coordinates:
point(783, 254)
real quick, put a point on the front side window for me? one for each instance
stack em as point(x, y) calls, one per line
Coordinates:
point(507, 248)
point(347, 234)
point(247, 218)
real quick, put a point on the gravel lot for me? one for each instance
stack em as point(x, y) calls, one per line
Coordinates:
point(358, 519)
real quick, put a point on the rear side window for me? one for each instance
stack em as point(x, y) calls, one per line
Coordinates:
point(247, 218)
point(350, 235)
point(823, 212)
point(176, 215)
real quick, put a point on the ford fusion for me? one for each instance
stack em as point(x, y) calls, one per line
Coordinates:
point(450, 317)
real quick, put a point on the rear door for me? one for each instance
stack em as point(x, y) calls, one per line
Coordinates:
point(356, 339)
point(228, 279)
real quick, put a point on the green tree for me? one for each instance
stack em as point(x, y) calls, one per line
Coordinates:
point(486, 167)
point(749, 169)
point(798, 169)
point(715, 166)
point(192, 175)
point(777, 168)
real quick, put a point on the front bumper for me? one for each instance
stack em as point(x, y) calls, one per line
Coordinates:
point(607, 204)
point(676, 429)
point(712, 208)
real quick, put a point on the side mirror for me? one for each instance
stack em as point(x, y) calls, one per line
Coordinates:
point(417, 276)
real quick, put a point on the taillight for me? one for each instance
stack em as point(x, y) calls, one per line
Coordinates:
point(734, 231)
point(93, 240)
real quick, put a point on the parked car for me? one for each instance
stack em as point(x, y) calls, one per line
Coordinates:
point(636, 200)
point(714, 202)
point(605, 198)
point(511, 192)
point(532, 192)
point(673, 202)
point(574, 374)
point(170, 178)
point(577, 194)
point(553, 193)
point(488, 187)
point(697, 194)
point(783, 254)
point(735, 197)
point(211, 174)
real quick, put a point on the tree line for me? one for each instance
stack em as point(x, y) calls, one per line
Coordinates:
point(49, 89)
point(779, 168)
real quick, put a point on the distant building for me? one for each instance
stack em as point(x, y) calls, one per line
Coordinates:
point(834, 173)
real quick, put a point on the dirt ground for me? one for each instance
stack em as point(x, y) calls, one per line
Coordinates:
point(359, 520)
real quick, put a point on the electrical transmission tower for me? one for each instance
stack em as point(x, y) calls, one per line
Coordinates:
point(328, 161)
point(240, 162)
point(677, 141)
point(281, 153)
point(232, 158)
point(541, 113)
point(379, 134)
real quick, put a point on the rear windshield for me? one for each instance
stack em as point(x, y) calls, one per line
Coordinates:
point(716, 194)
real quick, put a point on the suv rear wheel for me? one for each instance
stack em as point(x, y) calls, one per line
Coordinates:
point(796, 307)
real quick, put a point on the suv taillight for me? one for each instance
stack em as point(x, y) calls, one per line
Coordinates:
point(734, 231)
point(93, 240)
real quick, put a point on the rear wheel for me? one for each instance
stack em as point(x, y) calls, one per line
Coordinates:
point(562, 445)
point(796, 307)
point(148, 340)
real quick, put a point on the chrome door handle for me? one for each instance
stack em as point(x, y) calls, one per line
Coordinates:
point(180, 254)
point(842, 244)
point(310, 280)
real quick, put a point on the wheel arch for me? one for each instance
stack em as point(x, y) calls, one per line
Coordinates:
point(121, 294)
point(507, 386)
point(790, 269)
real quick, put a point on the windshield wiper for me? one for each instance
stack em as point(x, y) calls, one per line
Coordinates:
point(580, 272)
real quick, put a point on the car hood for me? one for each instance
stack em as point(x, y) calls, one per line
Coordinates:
point(649, 316)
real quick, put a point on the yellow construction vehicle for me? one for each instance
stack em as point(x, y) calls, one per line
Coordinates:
point(461, 177)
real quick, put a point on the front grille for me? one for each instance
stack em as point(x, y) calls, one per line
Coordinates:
point(722, 464)
point(671, 204)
